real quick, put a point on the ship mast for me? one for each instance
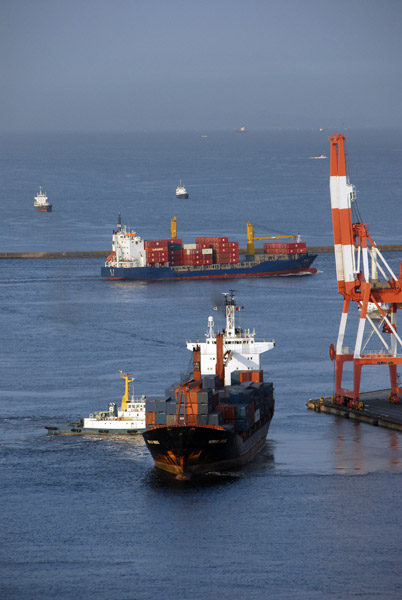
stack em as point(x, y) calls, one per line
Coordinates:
point(230, 313)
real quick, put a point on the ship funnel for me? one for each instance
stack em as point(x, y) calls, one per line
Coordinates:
point(197, 364)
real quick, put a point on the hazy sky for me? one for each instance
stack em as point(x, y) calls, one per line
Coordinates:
point(127, 65)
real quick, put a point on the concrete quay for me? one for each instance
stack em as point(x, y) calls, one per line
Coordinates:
point(376, 409)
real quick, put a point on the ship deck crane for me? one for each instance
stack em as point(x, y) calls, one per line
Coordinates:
point(354, 249)
point(173, 228)
point(251, 237)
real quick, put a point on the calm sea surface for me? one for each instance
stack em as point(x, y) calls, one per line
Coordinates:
point(317, 514)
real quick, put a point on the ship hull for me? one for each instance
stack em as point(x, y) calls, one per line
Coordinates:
point(182, 196)
point(78, 430)
point(268, 268)
point(43, 208)
point(186, 451)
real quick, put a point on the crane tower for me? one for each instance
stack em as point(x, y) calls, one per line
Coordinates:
point(373, 289)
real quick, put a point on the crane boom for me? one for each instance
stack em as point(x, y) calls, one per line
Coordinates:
point(251, 237)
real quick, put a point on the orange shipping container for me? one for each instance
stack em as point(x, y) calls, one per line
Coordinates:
point(251, 375)
point(150, 418)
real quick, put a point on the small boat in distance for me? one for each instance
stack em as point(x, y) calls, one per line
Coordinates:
point(318, 156)
point(128, 419)
point(181, 192)
point(41, 203)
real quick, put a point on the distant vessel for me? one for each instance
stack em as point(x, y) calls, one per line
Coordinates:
point(219, 418)
point(318, 156)
point(181, 192)
point(128, 419)
point(241, 130)
point(41, 203)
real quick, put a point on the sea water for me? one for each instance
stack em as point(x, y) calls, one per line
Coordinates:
point(316, 515)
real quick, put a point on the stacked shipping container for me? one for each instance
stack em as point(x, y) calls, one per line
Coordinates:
point(205, 251)
point(242, 404)
point(162, 251)
point(285, 248)
point(224, 251)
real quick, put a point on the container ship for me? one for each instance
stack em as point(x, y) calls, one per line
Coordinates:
point(207, 258)
point(218, 419)
point(129, 419)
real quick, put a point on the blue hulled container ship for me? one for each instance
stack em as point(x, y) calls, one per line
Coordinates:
point(133, 258)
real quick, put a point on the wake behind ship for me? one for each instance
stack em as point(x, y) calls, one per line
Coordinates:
point(133, 258)
point(218, 419)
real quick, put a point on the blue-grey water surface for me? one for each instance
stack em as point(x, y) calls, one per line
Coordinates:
point(317, 514)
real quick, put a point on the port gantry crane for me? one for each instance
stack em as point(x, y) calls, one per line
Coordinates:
point(354, 248)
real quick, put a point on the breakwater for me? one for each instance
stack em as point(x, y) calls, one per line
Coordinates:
point(104, 253)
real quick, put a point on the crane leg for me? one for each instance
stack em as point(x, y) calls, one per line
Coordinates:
point(394, 396)
point(357, 371)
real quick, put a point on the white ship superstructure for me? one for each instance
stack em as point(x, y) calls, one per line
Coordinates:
point(241, 350)
point(128, 249)
point(41, 202)
point(181, 191)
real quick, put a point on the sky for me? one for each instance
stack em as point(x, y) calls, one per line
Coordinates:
point(199, 65)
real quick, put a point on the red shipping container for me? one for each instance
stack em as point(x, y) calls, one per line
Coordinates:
point(157, 243)
point(207, 239)
point(157, 259)
point(162, 253)
point(157, 249)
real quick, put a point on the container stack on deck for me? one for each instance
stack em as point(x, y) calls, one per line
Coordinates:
point(241, 404)
point(205, 251)
point(162, 251)
point(285, 248)
point(223, 250)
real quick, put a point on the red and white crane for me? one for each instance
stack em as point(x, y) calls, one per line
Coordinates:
point(378, 287)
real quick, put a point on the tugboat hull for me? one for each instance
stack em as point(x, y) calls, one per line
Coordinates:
point(79, 430)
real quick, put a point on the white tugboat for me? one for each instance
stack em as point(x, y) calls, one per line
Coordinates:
point(181, 192)
point(41, 203)
point(128, 419)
